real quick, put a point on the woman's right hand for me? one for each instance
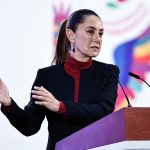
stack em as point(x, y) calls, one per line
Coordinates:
point(5, 99)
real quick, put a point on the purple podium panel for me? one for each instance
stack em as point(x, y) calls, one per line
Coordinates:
point(124, 124)
point(99, 133)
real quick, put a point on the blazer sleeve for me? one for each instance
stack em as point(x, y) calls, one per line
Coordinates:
point(84, 112)
point(27, 121)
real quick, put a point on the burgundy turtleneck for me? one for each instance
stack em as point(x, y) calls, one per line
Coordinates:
point(73, 67)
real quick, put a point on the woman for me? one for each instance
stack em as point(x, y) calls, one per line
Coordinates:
point(73, 93)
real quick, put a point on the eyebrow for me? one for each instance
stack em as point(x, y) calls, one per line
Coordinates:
point(101, 29)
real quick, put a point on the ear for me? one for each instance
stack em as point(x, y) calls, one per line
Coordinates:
point(70, 35)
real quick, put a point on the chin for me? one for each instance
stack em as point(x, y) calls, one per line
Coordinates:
point(94, 54)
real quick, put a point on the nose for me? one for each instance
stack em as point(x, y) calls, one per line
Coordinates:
point(97, 37)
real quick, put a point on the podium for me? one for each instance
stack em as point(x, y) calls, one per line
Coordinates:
point(131, 124)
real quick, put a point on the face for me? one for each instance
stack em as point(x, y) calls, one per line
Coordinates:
point(88, 38)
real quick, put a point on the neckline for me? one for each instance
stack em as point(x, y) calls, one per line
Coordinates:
point(73, 63)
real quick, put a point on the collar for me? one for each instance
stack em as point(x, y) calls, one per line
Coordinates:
point(75, 64)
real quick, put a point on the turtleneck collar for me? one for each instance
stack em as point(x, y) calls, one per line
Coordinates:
point(75, 64)
point(73, 67)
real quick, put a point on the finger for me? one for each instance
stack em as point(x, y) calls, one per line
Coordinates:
point(38, 97)
point(40, 103)
point(47, 93)
point(40, 93)
point(1, 82)
point(37, 88)
point(41, 88)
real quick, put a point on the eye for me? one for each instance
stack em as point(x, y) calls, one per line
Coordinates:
point(90, 31)
point(100, 33)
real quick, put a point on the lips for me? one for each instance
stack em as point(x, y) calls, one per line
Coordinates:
point(97, 47)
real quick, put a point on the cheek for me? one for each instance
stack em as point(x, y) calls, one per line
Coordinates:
point(83, 42)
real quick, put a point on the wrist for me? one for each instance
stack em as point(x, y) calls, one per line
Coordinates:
point(8, 103)
point(62, 108)
point(57, 106)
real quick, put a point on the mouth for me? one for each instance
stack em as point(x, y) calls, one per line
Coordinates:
point(96, 47)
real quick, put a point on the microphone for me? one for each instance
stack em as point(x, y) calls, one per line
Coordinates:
point(138, 77)
point(129, 105)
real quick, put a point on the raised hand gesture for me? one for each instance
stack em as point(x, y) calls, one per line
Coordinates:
point(4, 94)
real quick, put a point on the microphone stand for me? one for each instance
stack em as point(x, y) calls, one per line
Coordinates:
point(129, 105)
point(145, 82)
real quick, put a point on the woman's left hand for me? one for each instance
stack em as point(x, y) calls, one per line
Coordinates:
point(45, 98)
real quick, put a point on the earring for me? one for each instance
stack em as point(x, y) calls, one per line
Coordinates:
point(73, 49)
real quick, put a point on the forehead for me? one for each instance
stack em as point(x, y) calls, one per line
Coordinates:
point(91, 21)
